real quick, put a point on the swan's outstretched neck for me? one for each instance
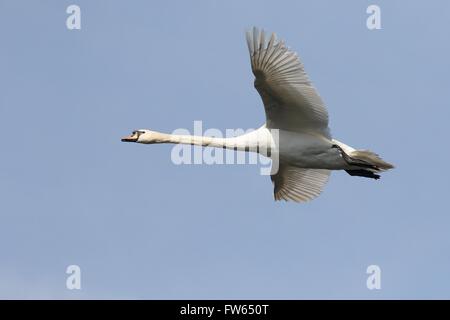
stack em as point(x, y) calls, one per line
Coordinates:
point(229, 143)
point(253, 141)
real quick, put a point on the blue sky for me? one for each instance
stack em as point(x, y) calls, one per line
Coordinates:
point(141, 227)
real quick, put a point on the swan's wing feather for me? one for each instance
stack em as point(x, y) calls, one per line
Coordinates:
point(290, 100)
point(298, 184)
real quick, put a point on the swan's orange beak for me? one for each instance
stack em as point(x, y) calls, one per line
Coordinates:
point(131, 138)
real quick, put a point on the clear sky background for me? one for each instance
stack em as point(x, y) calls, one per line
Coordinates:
point(141, 227)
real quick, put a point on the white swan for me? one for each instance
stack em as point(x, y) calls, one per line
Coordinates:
point(304, 147)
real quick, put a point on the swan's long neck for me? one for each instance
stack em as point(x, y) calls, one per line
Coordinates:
point(227, 143)
point(252, 141)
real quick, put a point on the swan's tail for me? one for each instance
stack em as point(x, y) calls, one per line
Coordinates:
point(366, 163)
point(371, 159)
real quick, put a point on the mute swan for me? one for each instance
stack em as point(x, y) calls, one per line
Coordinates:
point(304, 147)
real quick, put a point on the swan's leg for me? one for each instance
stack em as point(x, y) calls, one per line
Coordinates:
point(363, 173)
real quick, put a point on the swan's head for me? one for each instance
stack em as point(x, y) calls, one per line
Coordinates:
point(143, 136)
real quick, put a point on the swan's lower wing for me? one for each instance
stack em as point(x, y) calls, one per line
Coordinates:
point(290, 100)
point(298, 184)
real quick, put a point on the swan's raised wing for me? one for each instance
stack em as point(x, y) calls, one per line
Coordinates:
point(290, 100)
point(297, 184)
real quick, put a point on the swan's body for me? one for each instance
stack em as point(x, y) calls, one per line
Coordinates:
point(302, 142)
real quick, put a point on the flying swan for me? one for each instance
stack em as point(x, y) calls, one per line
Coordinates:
point(301, 141)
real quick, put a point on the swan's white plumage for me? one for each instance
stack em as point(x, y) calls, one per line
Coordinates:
point(298, 184)
point(290, 100)
point(291, 103)
point(303, 146)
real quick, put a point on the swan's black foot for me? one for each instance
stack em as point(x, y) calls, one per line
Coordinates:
point(363, 173)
